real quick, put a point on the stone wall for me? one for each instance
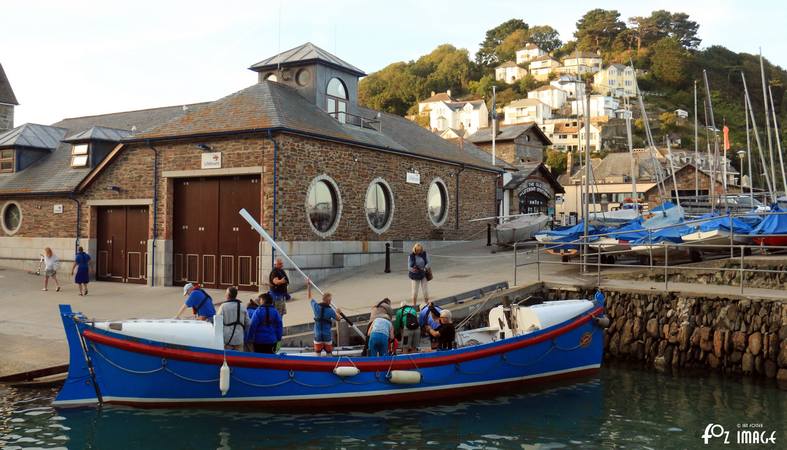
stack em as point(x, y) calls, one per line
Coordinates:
point(6, 117)
point(731, 335)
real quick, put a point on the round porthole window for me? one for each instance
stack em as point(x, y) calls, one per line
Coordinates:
point(379, 205)
point(323, 205)
point(11, 218)
point(437, 202)
point(303, 77)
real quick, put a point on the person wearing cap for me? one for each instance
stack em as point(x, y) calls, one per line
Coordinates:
point(446, 333)
point(199, 301)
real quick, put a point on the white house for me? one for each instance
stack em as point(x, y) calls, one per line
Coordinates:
point(444, 112)
point(527, 54)
point(595, 138)
point(616, 80)
point(581, 63)
point(509, 72)
point(571, 84)
point(564, 133)
point(600, 105)
point(526, 110)
point(540, 67)
point(552, 96)
point(682, 114)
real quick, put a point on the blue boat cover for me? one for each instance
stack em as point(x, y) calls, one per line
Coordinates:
point(772, 223)
point(723, 223)
point(672, 234)
point(663, 207)
point(630, 231)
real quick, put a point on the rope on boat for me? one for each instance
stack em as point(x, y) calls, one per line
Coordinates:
point(125, 369)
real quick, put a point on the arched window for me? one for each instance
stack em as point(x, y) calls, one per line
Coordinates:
point(379, 205)
point(11, 218)
point(437, 202)
point(323, 205)
point(337, 99)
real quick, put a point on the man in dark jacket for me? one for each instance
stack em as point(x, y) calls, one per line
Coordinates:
point(266, 328)
point(278, 282)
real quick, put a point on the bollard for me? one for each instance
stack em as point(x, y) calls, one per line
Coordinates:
point(489, 235)
point(387, 257)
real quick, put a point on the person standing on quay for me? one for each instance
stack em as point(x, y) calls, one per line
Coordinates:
point(82, 268)
point(418, 265)
point(279, 281)
point(51, 263)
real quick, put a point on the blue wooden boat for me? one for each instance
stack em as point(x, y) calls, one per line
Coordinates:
point(107, 365)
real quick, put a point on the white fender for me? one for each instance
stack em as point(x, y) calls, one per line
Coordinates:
point(346, 371)
point(405, 377)
point(224, 379)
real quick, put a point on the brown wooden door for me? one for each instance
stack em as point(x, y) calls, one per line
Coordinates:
point(213, 245)
point(122, 234)
point(136, 244)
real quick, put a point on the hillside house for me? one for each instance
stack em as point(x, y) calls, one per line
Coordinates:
point(616, 80)
point(529, 53)
point(571, 84)
point(552, 96)
point(542, 66)
point(444, 112)
point(579, 63)
point(526, 110)
point(600, 106)
point(509, 72)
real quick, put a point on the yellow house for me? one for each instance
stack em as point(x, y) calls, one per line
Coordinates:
point(616, 80)
point(542, 66)
point(581, 62)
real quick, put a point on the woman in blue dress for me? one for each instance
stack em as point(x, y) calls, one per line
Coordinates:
point(82, 268)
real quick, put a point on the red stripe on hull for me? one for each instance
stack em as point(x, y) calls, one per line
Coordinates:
point(281, 363)
point(376, 401)
point(776, 241)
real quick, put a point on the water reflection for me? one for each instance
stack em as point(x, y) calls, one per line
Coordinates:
point(622, 408)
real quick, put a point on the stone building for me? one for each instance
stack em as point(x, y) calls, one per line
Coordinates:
point(7, 102)
point(332, 181)
point(514, 144)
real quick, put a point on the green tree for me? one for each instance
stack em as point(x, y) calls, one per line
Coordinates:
point(556, 160)
point(487, 52)
point(506, 51)
point(670, 62)
point(684, 30)
point(392, 89)
point(668, 121)
point(660, 24)
point(482, 87)
point(598, 29)
point(546, 37)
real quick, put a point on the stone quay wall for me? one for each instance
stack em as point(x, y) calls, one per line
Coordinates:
point(729, 335)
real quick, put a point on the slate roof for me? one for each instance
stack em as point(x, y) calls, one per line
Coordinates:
point(527, 102)
point(619, 164)
point(543, 58)
point(53, 173)
point(6, 93)
point(507, 133)
point(478, 152)
point(305, 54)
point(98, 134)
point(269, 105)
point(527, 169)
point(507, 64)
point(459, 105)
point(581, 55)
point(32, 135)
point(439, 97)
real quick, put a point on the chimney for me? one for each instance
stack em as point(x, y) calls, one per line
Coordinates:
point(448, 92)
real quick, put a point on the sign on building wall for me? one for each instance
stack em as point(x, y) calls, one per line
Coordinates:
point(57, 209)
point(536, 186)
point(211, 160)
point(413, 177)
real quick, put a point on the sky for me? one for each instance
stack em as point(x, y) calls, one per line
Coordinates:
point(83, 57)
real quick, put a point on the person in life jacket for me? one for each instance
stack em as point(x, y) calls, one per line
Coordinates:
point(407, 328)
point(199, 301)
point(235, 318)
point(324, 316)
point(266, 328)
point(429, 319)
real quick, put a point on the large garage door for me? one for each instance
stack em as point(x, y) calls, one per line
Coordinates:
point(212, 243)
point(122, 244)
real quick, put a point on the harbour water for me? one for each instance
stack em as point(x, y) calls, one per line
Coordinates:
point(621, 408)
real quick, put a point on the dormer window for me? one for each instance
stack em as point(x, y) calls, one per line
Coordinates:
point(6, 161)
point(79, 155)
point(337, 99)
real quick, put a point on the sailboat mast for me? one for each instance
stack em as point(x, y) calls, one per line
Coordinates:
point(778, 140)
point(588, 173)
point(748, 152)
point(672, 169)
point(767, 123)
point(757, 137)
point(631, 151)
point(494, 125)
point(696, 150)
point(711, 157)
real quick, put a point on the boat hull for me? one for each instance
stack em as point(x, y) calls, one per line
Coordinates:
point(771, 241)
point(714, 240)
point(145, 373)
